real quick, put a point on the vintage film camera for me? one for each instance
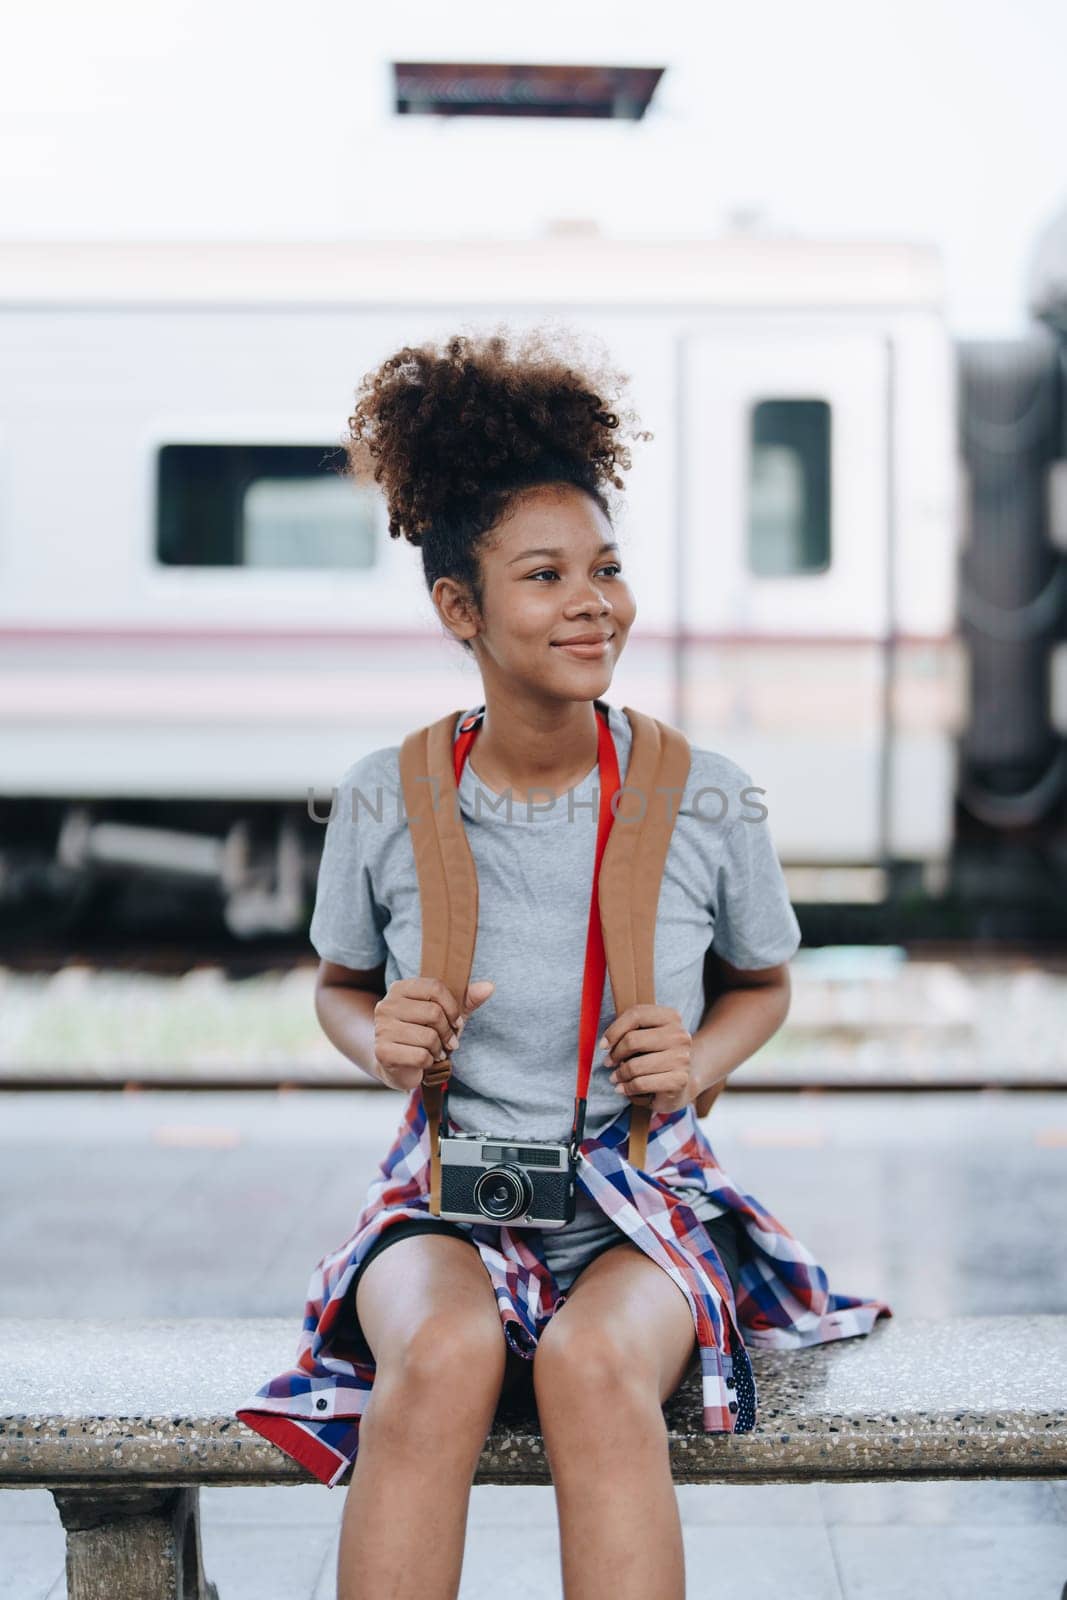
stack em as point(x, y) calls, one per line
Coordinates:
point(525, 1183)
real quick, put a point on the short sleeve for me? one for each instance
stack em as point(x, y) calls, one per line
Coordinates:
point(755, 924)
point(348, 921)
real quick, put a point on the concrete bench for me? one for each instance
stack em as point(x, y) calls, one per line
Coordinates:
point(123, 1422)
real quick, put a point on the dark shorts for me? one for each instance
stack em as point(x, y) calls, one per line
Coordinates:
point(723, 1231)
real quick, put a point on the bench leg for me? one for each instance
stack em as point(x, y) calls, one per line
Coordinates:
point(133, 1545)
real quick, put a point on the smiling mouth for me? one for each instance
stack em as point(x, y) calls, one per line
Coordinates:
point(592, 650)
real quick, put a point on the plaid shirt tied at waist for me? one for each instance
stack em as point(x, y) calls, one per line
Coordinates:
point(312, 1411)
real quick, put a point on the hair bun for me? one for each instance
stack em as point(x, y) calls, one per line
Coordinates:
point(449, 431)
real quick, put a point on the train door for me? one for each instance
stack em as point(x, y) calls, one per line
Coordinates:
point(784, 595)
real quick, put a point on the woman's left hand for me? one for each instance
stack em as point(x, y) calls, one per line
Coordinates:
point(649, 1049)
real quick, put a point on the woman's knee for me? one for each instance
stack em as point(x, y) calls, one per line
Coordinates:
point(449, 1349)
point(438, 1387)
point(583, 1363)
point(426, 1299)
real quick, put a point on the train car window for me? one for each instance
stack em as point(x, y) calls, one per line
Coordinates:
point(257, 505)
point(789, 488)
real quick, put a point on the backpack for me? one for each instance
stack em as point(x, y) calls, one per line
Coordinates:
point(630, 873)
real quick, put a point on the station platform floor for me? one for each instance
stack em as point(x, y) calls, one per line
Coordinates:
point(190, 1203)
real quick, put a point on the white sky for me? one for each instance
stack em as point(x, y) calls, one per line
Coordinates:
point(938, 120)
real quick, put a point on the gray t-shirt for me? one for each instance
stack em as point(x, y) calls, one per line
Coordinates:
point(514, 1071)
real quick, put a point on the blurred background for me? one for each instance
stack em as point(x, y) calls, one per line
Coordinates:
point(829, 246)
point(833, 260)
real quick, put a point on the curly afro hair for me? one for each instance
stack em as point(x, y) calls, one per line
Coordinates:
point(456, 433)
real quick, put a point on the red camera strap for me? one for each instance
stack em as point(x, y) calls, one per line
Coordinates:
point(595, 958)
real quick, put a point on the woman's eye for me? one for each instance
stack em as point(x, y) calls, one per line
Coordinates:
point(612, 564)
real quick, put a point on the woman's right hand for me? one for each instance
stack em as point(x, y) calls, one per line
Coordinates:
point(417, 1024)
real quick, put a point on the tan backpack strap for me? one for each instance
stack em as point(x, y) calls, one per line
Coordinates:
point(631, 871)
point(448, 890)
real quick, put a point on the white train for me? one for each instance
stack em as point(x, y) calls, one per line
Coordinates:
point(201, 623)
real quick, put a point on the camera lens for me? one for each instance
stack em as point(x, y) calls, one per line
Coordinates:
point(502, 1193)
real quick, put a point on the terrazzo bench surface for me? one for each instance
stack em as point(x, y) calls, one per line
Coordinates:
point(123, 1421)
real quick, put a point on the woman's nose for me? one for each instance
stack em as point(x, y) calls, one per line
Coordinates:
point(594, 602)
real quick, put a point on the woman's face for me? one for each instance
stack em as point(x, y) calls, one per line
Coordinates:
point(532, 601)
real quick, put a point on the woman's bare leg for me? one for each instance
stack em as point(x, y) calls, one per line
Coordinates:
point(618, 1347)
point(427, 1309)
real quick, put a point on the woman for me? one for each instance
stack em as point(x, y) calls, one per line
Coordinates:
point(496, 456)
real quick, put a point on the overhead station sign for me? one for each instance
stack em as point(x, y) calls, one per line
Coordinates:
point(490, 89)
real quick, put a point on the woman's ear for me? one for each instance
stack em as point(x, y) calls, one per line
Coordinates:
point(454, 608)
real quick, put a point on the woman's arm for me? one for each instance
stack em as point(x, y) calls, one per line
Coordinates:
point(745, 1010)
point(345, 999)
